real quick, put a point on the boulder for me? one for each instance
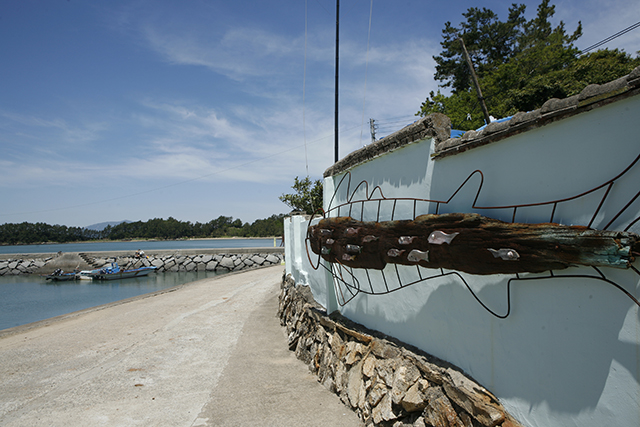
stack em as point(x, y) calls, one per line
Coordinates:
point(257, 259)
point(227, 263)
point(272, 259)
point(439, 412)
point(404, 377)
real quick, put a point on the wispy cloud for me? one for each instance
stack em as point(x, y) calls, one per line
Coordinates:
point(65, 131)
point(238, 54)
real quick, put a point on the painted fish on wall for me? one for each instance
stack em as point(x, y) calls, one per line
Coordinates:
point(470, 243)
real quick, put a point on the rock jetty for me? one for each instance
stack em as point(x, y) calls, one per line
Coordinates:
point(164, 261)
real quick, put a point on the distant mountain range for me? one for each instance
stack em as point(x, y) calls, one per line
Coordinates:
point(102, 225)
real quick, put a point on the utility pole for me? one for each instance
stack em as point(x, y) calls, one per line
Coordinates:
point(337, 59)
point(474, 78)
point(372, 129)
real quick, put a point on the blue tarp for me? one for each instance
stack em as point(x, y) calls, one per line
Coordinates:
point(458, 133)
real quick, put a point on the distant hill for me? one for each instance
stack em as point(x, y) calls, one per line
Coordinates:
point(102, 225)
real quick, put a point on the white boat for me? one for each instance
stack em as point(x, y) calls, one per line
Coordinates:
point(114, 272)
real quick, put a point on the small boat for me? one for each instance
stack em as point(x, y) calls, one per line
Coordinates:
point(87, 274)
point(60, 276)
point(114, 272)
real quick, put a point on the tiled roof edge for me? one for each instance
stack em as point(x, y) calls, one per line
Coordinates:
point(592, 96)
point(436, 125)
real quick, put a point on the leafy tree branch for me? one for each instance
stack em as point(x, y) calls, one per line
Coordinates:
point(307, 197)
point(520, 65)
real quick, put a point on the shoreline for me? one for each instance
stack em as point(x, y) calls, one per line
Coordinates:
point(51, 320)
point(142, 240)
point(168, 360)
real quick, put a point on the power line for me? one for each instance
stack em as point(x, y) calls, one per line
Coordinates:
point(383, 122)
point(608, 39)
point(366, 66)
point(325, 9)
point(304, 85)
point(400, 118)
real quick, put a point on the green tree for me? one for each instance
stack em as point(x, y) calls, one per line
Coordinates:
point(539, 71)
point(539, 63)
point(307, 197)
point(272, 226)
point(600, 67)
point(157, 228)
point(489, 42)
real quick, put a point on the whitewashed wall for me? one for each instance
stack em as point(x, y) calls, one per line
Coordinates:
point(569, 353)
point(298, 265)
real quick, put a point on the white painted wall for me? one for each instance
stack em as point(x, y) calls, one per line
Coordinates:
point(569, 353)
point(298, 265)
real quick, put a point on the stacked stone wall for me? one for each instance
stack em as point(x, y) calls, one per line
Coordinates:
point(176, 262)
point(14, 266)
point(386, 382)
point(199, 262)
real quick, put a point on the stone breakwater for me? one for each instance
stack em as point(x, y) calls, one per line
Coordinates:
point(200, 262)
point(164, 261)
point(386, 382)
point(14, 267)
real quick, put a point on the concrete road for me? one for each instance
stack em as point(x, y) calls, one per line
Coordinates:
point(210, 353)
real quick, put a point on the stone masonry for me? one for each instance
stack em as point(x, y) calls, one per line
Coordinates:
point(171, 262)
point(200, 262)
point(386, 382)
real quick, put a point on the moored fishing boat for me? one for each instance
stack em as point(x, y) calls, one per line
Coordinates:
point(114, 272)
point(60, 276)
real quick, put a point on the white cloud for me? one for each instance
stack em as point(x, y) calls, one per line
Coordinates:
point(192, 122)
point(239, 54)
point(64, 131)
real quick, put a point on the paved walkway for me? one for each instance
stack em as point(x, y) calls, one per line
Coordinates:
point(211, 353)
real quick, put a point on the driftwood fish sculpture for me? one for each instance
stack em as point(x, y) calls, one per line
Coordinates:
point(470, 243)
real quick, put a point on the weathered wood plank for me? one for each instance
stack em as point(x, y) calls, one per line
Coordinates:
point(470, 243)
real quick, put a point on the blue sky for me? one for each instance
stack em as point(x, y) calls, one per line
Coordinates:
point(114, 110)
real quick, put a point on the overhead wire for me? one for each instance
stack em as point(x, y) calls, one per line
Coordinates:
point(366, 66)
point(400, 118)
point(390, 125)
point(304, 85)
point(387, 122)
point(612, 37)
point(325, 9)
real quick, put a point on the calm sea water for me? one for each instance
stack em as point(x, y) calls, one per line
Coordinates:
point(30, 298)
point(144, 245)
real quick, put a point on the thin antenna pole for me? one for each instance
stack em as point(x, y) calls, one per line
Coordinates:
point(366, 66)
point(337, 61)
point(372, 129)
point(474, 78)
point(304, 88)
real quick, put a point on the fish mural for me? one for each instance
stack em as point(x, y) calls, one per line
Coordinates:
point(470, 243)
point(464, 244)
